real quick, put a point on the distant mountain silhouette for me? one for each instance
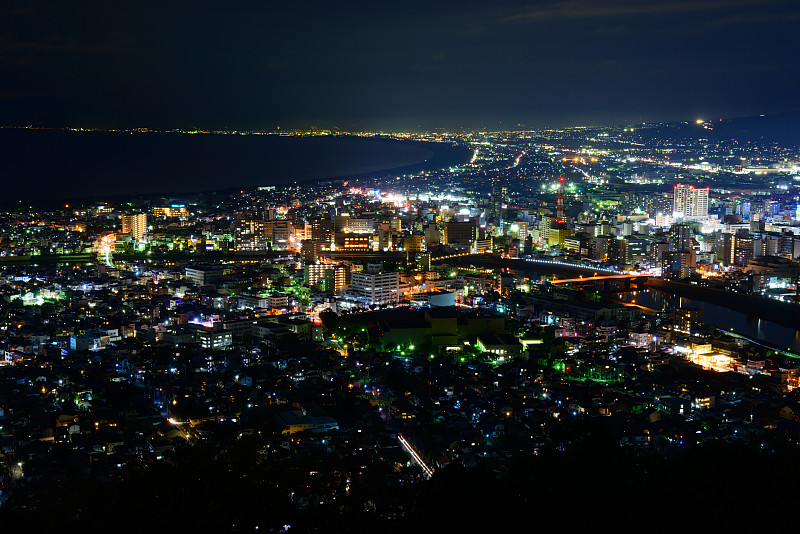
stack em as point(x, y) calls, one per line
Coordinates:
point(783, 128)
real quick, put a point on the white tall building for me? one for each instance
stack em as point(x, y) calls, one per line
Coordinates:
point(383, 288)
point(689, 201)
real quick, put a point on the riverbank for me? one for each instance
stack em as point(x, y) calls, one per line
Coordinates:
point(736, 322)
point(772, 310)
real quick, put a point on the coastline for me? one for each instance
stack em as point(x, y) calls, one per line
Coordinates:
point(444, 155)
point(107, 165)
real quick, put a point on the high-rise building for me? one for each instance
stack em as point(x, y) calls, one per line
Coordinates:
point(413, 243)
point(135, 224)
point(680, 236)
point(383, 240)
point(744, 250)
point(598, 248)
point(310, 250)
point(320, 230)
point(251, 234)
point(340, 221)
point(544, 227)
point(424, 261)
point(462, 234)
point(332, 277)
point(677, 265)
point(657, 251)
point(313, 273)
point(766, 245)
point(689, 201)
point(498, 201)
point(279, 233)
point(432, 236)
point(790, 245)
point(521, 228)
point(617, 251)
point(771, 208)
point(383, 288)
point(637, 249)
point(738, 249)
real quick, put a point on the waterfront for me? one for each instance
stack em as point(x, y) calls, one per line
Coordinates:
point(175, 163)
point(745, 324)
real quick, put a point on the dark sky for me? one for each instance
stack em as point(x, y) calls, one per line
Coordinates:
point(395, 65)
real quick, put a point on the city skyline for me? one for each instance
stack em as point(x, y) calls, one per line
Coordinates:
point(360, 352)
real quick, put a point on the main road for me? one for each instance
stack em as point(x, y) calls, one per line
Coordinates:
point(427, 471)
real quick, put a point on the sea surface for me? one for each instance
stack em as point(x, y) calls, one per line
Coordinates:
point(62, 164)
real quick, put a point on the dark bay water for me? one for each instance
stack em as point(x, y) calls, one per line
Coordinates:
point(747, 325)
point(56, 164)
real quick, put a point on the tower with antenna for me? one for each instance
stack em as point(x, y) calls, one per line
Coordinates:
point(560, 218)
point(557, 229)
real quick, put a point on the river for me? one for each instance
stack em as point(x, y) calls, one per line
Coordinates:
point(747, 325)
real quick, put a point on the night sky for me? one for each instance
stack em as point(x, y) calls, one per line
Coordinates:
point(395, 65)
